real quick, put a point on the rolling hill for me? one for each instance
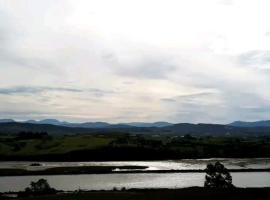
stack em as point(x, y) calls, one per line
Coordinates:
point(91, 124)
point(265, 123)
point(176, 129)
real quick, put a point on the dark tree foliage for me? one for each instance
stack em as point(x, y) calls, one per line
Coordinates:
point(217, 176)
point(26, 135)
point(41, 187)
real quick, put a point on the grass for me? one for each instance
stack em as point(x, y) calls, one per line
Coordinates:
point(50, 146)
point(108, 147)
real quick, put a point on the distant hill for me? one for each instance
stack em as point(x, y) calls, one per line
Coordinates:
point(92, 124)
point(214, 130)
point(15, 127)
point(143, 124)
point(68, 124)
point(45, 121)
point(200, 129)
point(176, 129)
point(6, 120)
point(265, 123)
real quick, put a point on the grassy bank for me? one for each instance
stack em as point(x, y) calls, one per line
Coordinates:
point(113, 147)
point(163, 194)
point(68, 170)
point(105, 170)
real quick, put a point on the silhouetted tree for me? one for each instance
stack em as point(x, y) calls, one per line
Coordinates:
point(217, 176)
point(39, 187)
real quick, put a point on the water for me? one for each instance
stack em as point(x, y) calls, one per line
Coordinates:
point(255, 163)
point(142, 180)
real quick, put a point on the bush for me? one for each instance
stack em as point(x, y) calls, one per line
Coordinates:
point(217, 176)
point(41, 187)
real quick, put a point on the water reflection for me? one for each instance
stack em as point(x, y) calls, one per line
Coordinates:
point(142, 180)
point(255, 163)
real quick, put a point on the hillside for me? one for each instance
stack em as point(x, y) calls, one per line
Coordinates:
point(128, 147)
point(15, 128)
point(265, 123)
point(176, 129)
point(90, 124)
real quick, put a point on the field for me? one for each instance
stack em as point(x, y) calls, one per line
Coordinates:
point(128, 147)
point(52, 145)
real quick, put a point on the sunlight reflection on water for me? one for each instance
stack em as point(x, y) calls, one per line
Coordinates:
point(142, 180)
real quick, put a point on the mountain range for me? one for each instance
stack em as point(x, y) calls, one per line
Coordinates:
point(91, 124)
point(55, 127)
point(263, 123)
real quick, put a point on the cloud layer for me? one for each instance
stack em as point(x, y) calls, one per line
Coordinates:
point(121, 61)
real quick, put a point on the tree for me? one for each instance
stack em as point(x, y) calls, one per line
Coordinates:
point(217, 176)
point(40, 187)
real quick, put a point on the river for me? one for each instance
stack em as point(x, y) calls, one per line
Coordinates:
point(184, 164)
point(140, 180)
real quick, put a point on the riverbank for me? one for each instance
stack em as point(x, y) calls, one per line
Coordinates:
point(69, 170)
point(158, 194)
point(104, 170)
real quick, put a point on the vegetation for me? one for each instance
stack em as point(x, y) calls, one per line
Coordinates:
point(176, 129)
point(41, 187)
point(120, 146)
point(217, 176)
point(67, 170)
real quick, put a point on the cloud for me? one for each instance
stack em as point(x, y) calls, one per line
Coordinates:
point(257, 58)
point(267, 34)
point(34, 90)
point(86, 61)
point(226, 2)
point(188, 96)
point(168, 99)
point(143, 65)
point(148, 69)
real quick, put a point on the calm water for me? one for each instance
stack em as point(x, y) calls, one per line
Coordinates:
point(143, 180)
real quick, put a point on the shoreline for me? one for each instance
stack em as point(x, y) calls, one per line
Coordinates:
point(105, 170)
point(40, 158)
point(157, 194)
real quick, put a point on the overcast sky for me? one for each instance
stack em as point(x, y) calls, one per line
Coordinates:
point(135, 60)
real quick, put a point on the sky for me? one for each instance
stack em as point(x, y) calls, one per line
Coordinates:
point(135, 60)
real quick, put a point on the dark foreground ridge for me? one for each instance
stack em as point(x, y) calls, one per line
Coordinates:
point(158, 194)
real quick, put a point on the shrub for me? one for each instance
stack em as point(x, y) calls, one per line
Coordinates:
point(217, 176)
